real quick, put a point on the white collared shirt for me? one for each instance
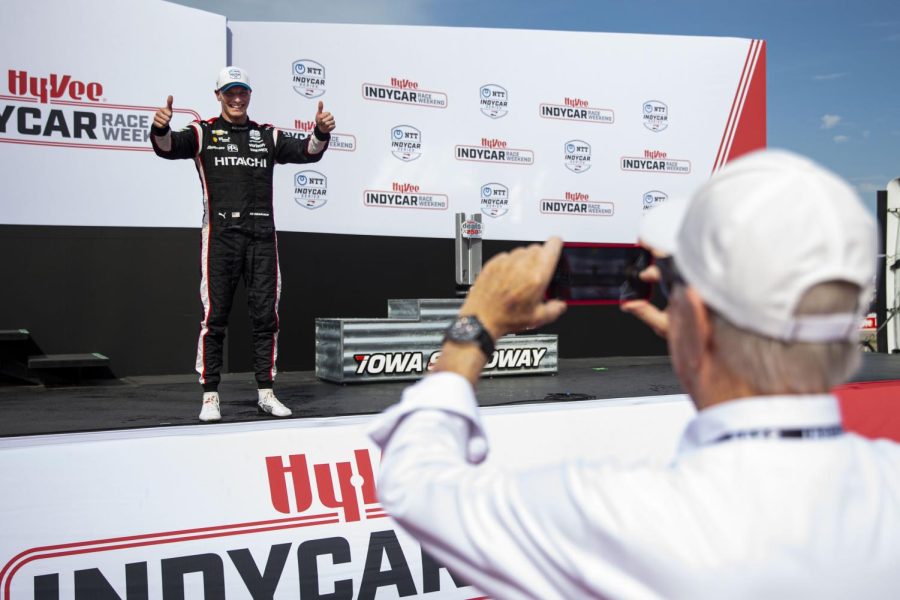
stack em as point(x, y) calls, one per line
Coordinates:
point(748, 517)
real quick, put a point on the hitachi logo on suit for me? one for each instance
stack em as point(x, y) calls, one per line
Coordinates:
point(240, 161)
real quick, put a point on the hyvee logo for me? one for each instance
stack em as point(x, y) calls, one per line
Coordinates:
point(494, 150)
point(406, 142)
point(62, 110)
point(310, 189)
point(404, 91)
point(578, 204)
point(343, 142)
point(308, 78)
point(290, 556)
point(317, 485)
point(655, 161)
point(493, 100)
point(54, 87)
point(577, 156)
point(576, 109)
point(405, 195)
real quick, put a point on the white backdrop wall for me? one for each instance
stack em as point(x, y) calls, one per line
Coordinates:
point(542, 132)
point(575, 107)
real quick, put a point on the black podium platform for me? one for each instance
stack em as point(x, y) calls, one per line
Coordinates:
point(175, 400)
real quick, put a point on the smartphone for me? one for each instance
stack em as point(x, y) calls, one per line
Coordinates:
point(600, 274)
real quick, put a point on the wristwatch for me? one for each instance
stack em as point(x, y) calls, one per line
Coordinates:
point(469, 330)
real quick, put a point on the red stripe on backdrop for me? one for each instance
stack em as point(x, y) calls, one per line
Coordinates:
point(750, 131)
point(729, 122)
point(871, 409)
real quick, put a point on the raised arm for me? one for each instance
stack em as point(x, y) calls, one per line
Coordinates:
point(292, 150)
point(173, 144)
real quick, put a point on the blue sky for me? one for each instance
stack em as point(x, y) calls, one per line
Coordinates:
point(833, 66)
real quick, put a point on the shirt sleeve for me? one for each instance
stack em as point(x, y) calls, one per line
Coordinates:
point(289, 149)
point(511, 534)
point(173, 145)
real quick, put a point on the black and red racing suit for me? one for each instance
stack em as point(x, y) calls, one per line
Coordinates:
point(235, 164)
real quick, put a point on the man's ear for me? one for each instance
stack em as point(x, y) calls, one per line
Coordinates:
point(702, 318)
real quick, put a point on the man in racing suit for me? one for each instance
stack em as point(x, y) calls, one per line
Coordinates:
point(235, 158)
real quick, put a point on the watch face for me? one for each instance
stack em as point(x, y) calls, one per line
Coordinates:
point(464, 329)
point(469, 329)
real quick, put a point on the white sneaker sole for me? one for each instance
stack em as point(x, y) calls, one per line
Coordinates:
point(264, 411)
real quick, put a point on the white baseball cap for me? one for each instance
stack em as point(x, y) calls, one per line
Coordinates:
point(760, 233)
point(230, 77)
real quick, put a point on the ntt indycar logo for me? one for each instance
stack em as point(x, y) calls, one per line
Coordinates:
point(405, 363)
point(493, 101)
point(577, 204)
point(308, 77)
point(404, 91)
point(656, 161)
point(310, 189)
point(406, 142)
point(63, 110)
point(577, 156)
point(495, 151)
point(653, 198)
point(406, 195)
point(577, 109)
point(655, 115)
point(494, 199)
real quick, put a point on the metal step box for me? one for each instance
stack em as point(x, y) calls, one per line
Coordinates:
point(404, 345)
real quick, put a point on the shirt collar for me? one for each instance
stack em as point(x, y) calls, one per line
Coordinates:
point(761, 412)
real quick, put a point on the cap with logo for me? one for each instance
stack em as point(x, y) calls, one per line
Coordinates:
point(760, 233)
point(230, 77)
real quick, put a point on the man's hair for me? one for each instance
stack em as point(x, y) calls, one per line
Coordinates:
point(772, 366)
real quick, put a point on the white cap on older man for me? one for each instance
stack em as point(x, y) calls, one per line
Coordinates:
point(230, 77)
point(760, 233)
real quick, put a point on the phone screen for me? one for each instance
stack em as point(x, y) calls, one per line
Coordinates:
point(600, 274)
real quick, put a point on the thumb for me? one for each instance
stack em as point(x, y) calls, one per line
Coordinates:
point(654, 318)
point(321, 107)
point(169, 102)
point(549, 312)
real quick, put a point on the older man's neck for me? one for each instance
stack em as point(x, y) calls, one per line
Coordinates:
point(723, 386)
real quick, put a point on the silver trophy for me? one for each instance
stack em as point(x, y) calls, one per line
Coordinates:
point(469, 233)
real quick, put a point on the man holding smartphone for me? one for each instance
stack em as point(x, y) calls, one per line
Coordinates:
point(767, 496)
point(235, 158)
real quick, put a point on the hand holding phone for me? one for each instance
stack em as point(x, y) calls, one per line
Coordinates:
point(589, 274)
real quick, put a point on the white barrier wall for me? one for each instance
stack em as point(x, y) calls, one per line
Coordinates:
point(285, 508)
point(79, 83)
point(564, 133)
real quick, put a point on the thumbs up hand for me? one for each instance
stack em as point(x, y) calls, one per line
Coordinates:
point(324, 120)
point(164, 115)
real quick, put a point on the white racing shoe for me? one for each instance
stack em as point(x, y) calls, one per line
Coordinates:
point(210, 411)
point(269, 404)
